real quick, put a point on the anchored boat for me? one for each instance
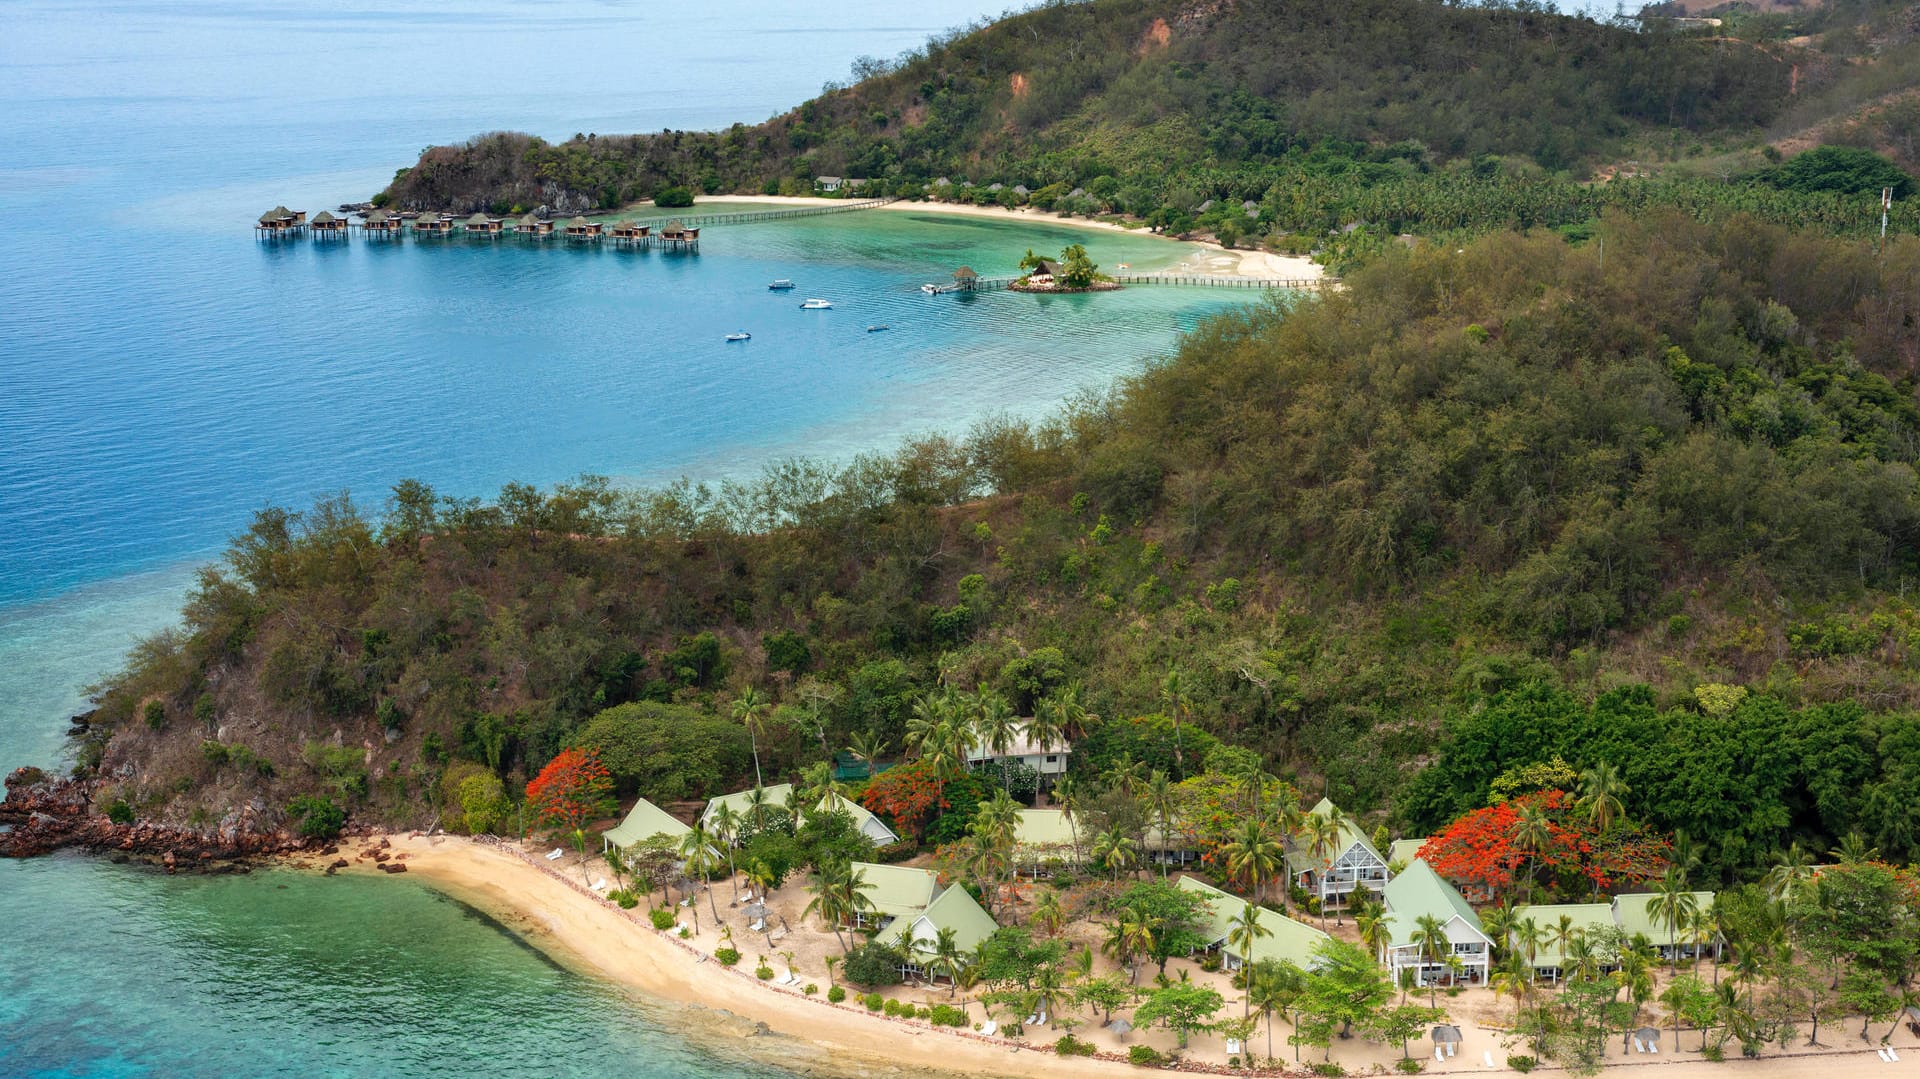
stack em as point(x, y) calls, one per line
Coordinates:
point(816, 305)
point(741, 336)
point(781, 285)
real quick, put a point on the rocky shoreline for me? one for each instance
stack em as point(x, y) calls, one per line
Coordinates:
point(42, 814)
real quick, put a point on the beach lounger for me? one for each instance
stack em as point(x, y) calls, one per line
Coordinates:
point(1452, 1048)
point(759, 925)
point(555, 853)
point(1439, 1055)
point(989, 1028)
point(600, 885)
point(1882, 1054)
point(1654, 1048)
point(1893, 1056)
point(1487, 1055)
point(1637, 1046)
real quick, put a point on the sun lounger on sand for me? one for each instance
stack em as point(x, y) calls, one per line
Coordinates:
point(989, 1028)
point(1882, 1054)
point(1487, 1055)
point(1637, 1047)
point(600, 885)
point(1439, 1055)
point(758, 925)
point(1893, 1056)
point(555, 853)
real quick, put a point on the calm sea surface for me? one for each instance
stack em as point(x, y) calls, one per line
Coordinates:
point(162, 374)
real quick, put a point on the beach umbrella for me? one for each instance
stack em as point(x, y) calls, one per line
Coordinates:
point(1120, 1027)
point(756, 911)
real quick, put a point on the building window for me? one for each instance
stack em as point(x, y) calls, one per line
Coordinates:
point(1053, 758)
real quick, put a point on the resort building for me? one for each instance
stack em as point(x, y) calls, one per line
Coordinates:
point(1548, 952)
point(893, 892)
point(1638, 912)
point(1286, 939)
point(483, 225)
point(533, 225)
point(965, 278)
point(1331, 875)
point(1173, 849)
point(281, 220)
point(644, 821)
point(581, 229)
point(918, 936)
point(1402, 852)
point(325, 225)
point(780, 796)
point(630, 233)
point(431, 224)
point(381, 223)
point(677, 235)
point(1044, 838)
point(1048, 761)
point(1417, 893)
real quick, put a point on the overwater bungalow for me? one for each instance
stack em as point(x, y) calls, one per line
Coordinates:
point(631, 233)
point(483, 225)
point(281, 220)
point(533, 225)
point(677, 235)
point(327, 226)
point(381, 223)
point(432, 224)
point(581, 229)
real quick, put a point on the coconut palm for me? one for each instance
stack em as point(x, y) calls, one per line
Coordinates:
point(1114, 850)
point(725, 827)
point(1792, 869)
point(1072, 715)
point(1430, 937)
point(1049, 991)
point(1159, 801)
point(1673, 906)
point(1513, 976)
point(751, 709)
point(1375, 932)
point(1253, 855)
point(697, 849)
point(996, 728)
point(1498, 923)
point(758, 805)
point(839, 897)
point(1123, 775)
point(1048, 914)
point(1067, 793)
point(1531, 833)
point(944, 955)
point(867, 749)
point(1274, 987)
point(1321, 834)
point(1173, 692)
point(1130, 937)
point(1046, 728)
point(1601, 789)
point(1528, 935)
point(1243, 933)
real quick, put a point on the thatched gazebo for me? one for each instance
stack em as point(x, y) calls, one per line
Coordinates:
point(965, 278)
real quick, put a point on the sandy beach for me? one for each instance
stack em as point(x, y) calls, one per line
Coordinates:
point(1209, 258)
point(550, 906)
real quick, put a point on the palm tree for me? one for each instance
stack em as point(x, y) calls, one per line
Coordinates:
point(1700, 929)
point(1123, 775)
point(1673, 906)
point(1067, 792)
point(726, 830)
point(757, 806)
point(1113, 850)
point(831, 961)
point(1132, 935)
point(1074, 719)
point(839, 897)
point(1173, 692)
point(1254, 856)
point(996, 728)
point(1561, 933)
point(867, 749)
point(1853, 850)
point(1514, 977)
point(1048, 914)
point(1636, 977)
point(1274, 988)
point(1498, 923)
point(1049, 991)
point(1532, 834)
point(1430, 936)
point(1375, 932)
point(697, 848)
point(1528, 936)
point(1160, 800)
point(1243, 933)
point(751, 709)
point(1322, 834)
point(1601, 789)
point(945, 955)
point(1686, 853)
point(1792, 869)
point(1046, 728)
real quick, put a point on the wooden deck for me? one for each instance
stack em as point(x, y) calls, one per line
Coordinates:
point(1287, 284)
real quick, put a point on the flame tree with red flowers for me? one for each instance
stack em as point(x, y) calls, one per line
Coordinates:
point(909, 796)
point(1543, 837)
point(570, 791)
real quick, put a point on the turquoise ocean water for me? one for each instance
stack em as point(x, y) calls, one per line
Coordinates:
point(162, 374)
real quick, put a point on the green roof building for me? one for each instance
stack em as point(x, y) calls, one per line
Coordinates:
point(1634, 913)
point(1350, 863)
point(916, 935)
point(1402, 852)
point(1549, 957)
point(780, 794)
point(1286, 939)
point(1420, 892)
point(893, 892)
point(644, 821)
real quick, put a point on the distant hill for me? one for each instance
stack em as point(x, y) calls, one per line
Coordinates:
point(1169, 94)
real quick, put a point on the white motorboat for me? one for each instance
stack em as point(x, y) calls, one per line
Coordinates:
point(877, 329)
point(816, 305)
point(931, 290)
point(741, 336)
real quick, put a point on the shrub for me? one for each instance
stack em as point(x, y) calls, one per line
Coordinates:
point(1070, 1046)
point(1714, 1053)
point(318, 817)
point(892, 1009)
point(873, 964)
point(763, 971)
point(1410, 1066)
point(1210, 962)
point(946, 1015)
point(1327, 1068)
point(685, 933)
point(836, 994)
point(120, 812)
point(1521, 1064)
point(624, 897)
point(810, 990)
point(661, 917)
point(215, 752)
point(1143, 1055)
point(673, 197)
point(873, 1001)
point(727, 955)
point(156, 715)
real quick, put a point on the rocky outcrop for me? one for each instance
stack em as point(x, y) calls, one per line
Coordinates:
point(42, 814)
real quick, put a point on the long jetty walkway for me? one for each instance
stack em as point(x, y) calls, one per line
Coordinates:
point(749, 216)
point(1292, 284)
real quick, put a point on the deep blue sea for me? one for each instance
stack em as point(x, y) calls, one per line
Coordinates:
point(163, 374)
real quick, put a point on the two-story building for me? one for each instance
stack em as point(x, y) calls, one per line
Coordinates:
point(1331, 874)
point(1418, 893)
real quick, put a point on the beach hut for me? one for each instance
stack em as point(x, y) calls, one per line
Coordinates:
point(1419, 892)
point(894, 892)
point(1633, 913)
point(674, 234)
point(1042, 839)
point(965, 278)
point(1286, 939)
point(433, 224)
point(828, 183)
point(631, 233)
point(482, 225)
point(581, 229)
point(380, 223)
point(644, 821)
point(533, 225)
point(325, 225)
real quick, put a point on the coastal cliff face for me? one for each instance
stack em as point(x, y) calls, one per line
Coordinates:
point(42, 814)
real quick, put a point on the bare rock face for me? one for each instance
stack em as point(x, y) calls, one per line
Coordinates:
point(42, 814)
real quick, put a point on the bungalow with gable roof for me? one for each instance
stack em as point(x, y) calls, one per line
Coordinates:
point(893, 892)
point(1548, 953)
point(917, 936)
point(1634, 913)
point(1286, 939)
point(1043, 837)
point(1402, 852)
point(777, 797)
point(644, 821)
point(1332, 875)
point(1419, 892)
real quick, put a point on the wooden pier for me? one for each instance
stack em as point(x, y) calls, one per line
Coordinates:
point(678, 234)
point(1287, 284)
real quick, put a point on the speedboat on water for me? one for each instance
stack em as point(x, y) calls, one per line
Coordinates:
point(931, 290)
point(781, 285)
point(877, 329)
point(741, 336)
point(816, 305)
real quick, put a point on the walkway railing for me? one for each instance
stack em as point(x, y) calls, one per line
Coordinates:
point(749, 216)
point(1293, 284)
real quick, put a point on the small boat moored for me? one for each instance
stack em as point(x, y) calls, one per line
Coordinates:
point(877, 329)
point(741, 336)
point(931, 290)
point(816, 305)
point(781, 285)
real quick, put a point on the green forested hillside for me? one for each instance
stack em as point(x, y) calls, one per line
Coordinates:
point(1677, 456)
point(1162, 95)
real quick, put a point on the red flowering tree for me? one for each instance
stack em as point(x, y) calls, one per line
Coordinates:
point(571, 790)
point(908, 796)
point(1493, 851)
